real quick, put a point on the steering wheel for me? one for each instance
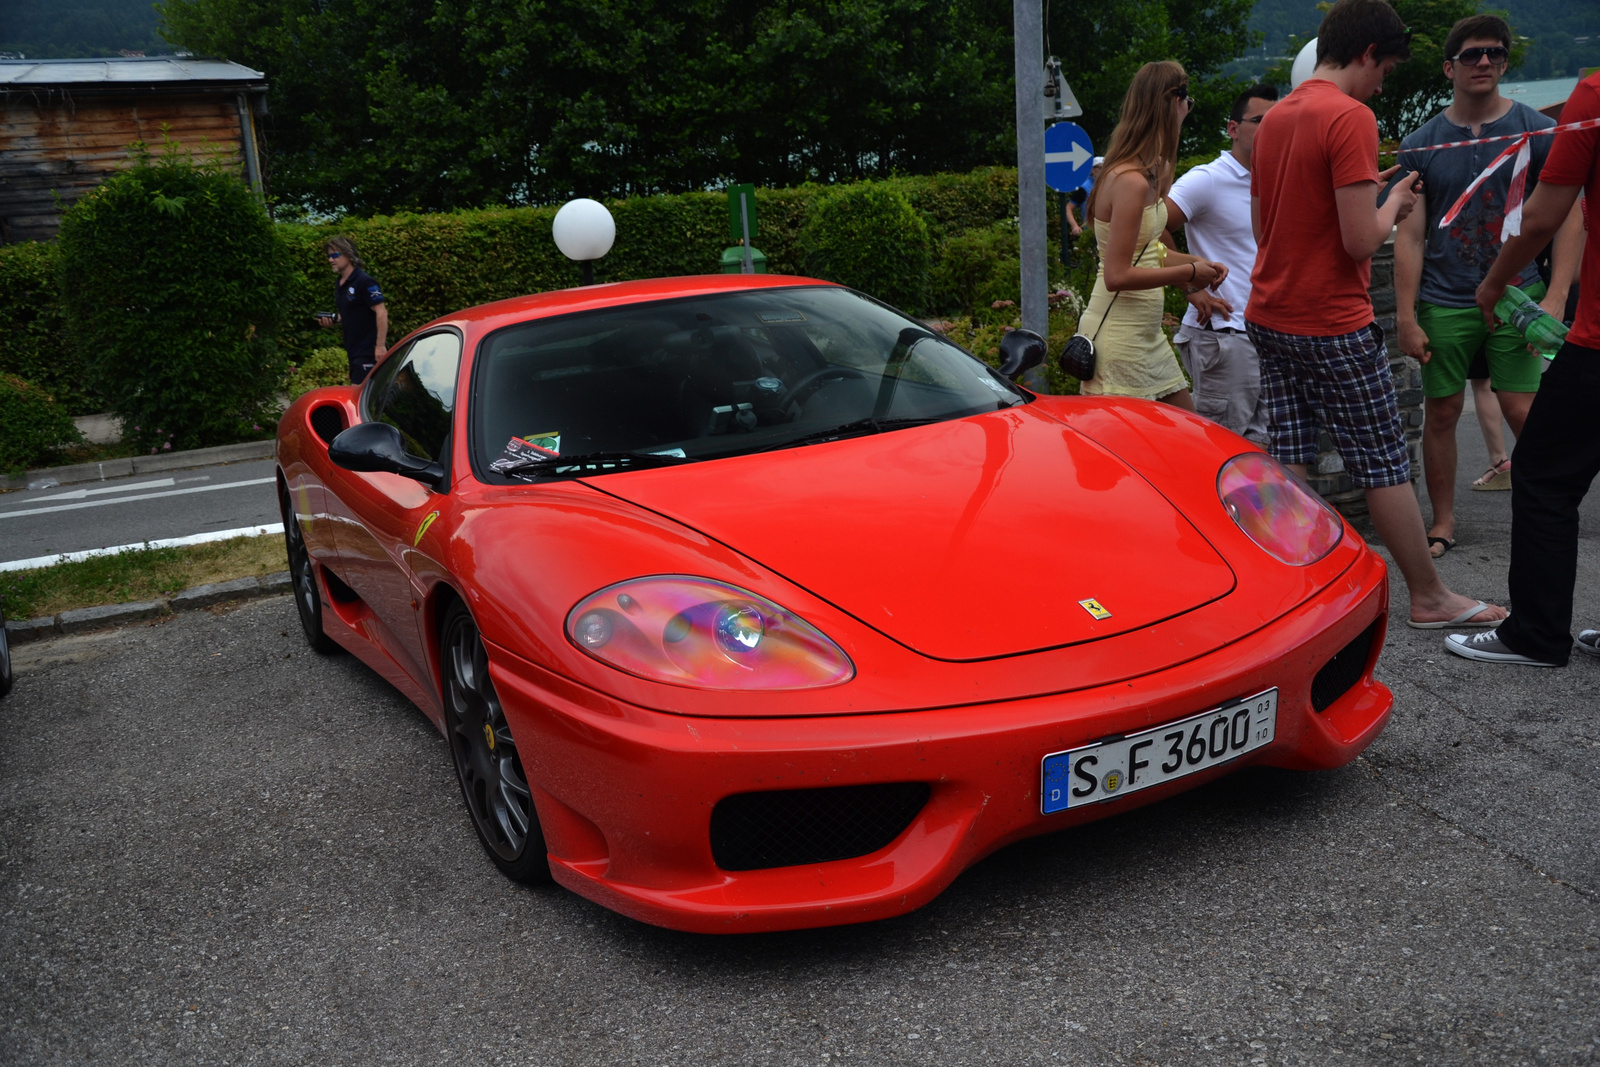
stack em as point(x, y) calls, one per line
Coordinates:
point(811, 380)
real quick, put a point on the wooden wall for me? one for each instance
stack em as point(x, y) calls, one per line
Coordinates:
point(55, 143)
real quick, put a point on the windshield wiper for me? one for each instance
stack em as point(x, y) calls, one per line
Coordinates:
point(871, 424)
point(589, 462)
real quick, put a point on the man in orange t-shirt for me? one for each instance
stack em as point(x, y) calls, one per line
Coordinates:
point(1559, 447)
point(1314, 191)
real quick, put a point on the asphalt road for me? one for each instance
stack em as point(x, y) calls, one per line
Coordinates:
point(217, 847)
point(139, 508)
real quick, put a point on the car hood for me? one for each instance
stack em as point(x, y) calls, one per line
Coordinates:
point(963, 540)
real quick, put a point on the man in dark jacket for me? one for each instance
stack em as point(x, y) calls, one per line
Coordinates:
point(362, 311)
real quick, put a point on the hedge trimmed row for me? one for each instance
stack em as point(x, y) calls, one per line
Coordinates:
point(430, 265)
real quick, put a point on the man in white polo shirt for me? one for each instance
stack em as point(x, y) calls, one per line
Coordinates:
point(1213, 202)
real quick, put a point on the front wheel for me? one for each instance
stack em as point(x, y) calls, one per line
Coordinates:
point(488, 766)
point(302, 574)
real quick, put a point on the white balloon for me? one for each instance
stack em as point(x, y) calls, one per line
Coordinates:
point(584, 229)
point(1304, 64)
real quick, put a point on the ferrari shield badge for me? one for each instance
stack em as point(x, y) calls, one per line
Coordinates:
point(422, 529)
point(1092, 606)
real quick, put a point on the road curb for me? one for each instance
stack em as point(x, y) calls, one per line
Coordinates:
point(161, 461)
point(106, 616)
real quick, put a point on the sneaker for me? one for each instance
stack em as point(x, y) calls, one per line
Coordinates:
point(1589, 643)
point(1488, 648)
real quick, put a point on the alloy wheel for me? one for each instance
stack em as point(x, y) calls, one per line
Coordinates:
point(488, 764)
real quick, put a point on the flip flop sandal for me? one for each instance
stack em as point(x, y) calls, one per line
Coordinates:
point(1446, 542)
point(1466, 618)
point(1495, 478)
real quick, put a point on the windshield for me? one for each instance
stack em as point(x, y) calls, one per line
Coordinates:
point(711, 376)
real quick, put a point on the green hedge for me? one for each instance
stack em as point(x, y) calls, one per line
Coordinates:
point(32, 425)
point(33, 343)
point(431, 265)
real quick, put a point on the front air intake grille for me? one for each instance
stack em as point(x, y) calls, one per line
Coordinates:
point(751, 831)
point(1342, 671)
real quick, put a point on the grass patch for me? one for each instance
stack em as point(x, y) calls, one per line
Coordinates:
point(147, 574)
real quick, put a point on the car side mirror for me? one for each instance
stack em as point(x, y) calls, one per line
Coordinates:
point(1020, 352)
point(378, 446)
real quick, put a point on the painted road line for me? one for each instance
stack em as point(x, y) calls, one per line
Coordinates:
point(141, 496)
point(79, 494)
point(167, 542)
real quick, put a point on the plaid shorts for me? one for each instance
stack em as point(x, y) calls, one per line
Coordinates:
point(1339, 384)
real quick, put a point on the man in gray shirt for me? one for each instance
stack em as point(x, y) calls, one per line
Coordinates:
point(1437, 271)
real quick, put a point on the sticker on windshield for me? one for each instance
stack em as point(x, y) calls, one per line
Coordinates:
point(992, 384)
point(780, 316)
point(532, 446)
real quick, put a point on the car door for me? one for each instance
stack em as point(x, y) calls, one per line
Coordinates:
point(384, 515)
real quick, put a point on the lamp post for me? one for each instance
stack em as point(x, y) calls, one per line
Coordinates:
point(584, 230)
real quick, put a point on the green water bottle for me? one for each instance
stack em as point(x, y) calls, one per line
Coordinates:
point(1542, 330)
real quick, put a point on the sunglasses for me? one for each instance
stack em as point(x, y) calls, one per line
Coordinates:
point(1497, 54)
point(335, 255)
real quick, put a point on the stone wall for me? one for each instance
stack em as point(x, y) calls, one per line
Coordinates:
point(1329, 477)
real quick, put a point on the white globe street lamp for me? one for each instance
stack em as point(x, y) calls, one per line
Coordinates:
point(1304, 64)
point(584, 230)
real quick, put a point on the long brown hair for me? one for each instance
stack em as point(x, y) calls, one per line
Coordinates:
point(341, 243)
point(1147, 130)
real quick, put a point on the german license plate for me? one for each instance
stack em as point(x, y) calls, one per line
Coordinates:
point(1118, 766)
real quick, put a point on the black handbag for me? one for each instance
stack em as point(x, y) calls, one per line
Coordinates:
point(1078, 356)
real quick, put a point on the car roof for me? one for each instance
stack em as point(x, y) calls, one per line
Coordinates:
point(590, 297)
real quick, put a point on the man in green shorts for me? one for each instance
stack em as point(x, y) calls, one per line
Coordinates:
point(1437, 271)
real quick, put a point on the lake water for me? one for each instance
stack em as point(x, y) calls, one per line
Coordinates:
point(1541, 93)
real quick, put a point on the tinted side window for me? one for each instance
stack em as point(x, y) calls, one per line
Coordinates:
point(419, 395)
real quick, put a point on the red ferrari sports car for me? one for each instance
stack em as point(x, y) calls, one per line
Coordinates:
point(748, 603)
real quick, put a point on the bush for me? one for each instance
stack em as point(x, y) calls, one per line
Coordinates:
point(325, 366)
point(33, 342)
point(173, 282)
point(869, 237)
point(975, 269)
point(32, 425)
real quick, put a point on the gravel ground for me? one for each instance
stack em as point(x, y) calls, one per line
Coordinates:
point(218, 847)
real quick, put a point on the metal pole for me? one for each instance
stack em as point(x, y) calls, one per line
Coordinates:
point(1028, 24)
point(747, 267)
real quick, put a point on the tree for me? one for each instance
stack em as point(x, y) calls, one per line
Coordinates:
point(1104, 44)
point(173, 280)
point(379, 106)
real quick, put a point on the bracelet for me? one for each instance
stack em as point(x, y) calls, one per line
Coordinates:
point(1193, 270)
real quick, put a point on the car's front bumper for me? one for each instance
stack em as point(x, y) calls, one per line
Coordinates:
point(625, 795)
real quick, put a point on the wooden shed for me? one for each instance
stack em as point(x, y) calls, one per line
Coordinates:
point(67, 123)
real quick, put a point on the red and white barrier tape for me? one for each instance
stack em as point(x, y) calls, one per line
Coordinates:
point(1522, 150)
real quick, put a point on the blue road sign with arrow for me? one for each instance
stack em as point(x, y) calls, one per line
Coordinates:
point(1068, 155)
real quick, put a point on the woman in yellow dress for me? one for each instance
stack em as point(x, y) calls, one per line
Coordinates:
point(1133, 357)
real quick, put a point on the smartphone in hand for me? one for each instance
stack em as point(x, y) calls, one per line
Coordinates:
point(1403, 175)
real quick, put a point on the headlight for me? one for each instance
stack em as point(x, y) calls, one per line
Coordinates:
point(706, 634)
point(1277, 511)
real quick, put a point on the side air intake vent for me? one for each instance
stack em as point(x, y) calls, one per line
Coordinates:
point(1342, 671)
point(752, 831)
point(328, 421)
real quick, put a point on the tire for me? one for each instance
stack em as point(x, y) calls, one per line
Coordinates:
point(488, 766)
point(5, 658)
point(302, 573)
